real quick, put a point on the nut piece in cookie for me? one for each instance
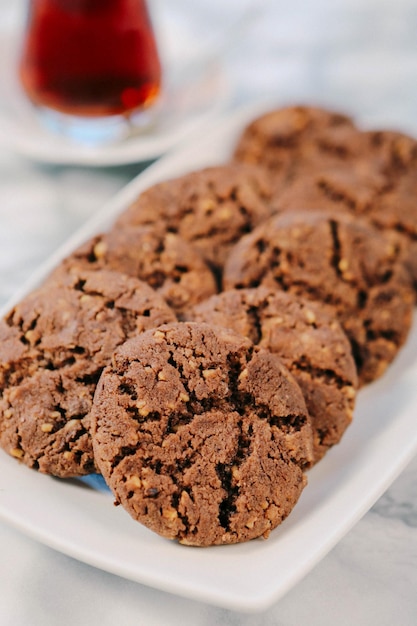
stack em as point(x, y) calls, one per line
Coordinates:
point(162, 259)
point(309, 341)
point(210, 208)
point(53, 347)
point(202, 437)
point(342, 262)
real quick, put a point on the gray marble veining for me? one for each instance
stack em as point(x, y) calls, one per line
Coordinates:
point(400, 501)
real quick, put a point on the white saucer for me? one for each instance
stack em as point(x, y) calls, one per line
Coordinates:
point(188, 104)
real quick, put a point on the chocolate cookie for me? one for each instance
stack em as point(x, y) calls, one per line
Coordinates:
point(379, 179)
point(162, 259)
point(360, 191)
point(346, 264)
point(210, 208)
point(287, 140)
point(309, 341)
point(53, 347)
point(200, 436)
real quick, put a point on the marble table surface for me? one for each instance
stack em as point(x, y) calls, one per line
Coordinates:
point(357, 56)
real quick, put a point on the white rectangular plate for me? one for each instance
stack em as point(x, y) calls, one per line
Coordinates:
point(79, 519)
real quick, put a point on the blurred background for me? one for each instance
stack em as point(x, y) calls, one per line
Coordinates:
point(350, 54)
point(360, 56)
point(354, 55)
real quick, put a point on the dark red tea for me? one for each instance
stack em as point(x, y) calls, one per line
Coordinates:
point(90, 57)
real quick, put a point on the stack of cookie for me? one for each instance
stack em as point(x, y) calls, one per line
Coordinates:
point(206, 351)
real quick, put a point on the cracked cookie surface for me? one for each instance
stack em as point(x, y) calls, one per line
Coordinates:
point(202, 437)
point(210, 208)
point(309, 341)
point(292, 139)
point(342, 262)
point(364, 192)
point(53, 347)
point(162, 259)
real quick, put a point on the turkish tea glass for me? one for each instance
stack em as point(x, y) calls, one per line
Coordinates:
point(91, 67)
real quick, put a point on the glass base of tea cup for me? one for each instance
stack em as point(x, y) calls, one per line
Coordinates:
point(96, 131)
